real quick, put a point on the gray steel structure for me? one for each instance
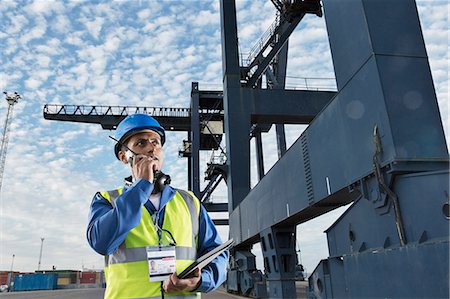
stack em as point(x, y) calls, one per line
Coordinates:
point(378, 143)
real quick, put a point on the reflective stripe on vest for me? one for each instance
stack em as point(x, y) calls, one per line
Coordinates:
point(126, 270)
point(168, 296)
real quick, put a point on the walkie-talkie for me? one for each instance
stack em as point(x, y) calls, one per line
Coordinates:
point(160, 179)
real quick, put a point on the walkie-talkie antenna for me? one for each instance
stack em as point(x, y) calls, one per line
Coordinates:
point(121, 144)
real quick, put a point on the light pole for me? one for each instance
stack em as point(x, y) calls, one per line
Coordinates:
point(11, 273)
point(40, 254)
point(12, 100)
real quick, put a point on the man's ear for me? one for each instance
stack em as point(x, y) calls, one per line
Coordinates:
point(123, 157)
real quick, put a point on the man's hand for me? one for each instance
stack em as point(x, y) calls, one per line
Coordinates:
point(144, 167)
point(174, 284)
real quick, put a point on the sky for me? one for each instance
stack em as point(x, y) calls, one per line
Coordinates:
point(135, 53)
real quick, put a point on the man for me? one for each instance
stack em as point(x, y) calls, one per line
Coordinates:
point(147, 223)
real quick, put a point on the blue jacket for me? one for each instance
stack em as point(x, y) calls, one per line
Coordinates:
point(108, 227)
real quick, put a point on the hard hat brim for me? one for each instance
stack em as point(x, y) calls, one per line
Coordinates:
point(131, 134)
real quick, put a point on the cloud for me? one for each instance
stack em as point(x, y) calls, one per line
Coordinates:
point(94, 151)
point(75, 38)
point(43, 61)
point(33, 83)
point(61, 24)
point(43, 7)
point(94, 27)
point(112, 43)
point(35, 32)
point(17, 23)
point(166, 38)
point(206, 18)
point(144, 14)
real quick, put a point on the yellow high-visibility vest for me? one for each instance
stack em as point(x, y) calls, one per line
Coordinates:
point(126, 270)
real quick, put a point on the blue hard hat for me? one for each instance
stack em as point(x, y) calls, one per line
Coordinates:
point(135, 123)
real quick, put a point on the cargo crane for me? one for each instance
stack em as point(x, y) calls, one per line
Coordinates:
point(11, 99)
point(377, 143)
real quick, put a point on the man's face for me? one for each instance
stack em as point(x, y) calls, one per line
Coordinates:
point(145, 143)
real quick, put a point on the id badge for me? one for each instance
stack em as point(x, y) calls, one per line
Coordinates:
point(161, 262)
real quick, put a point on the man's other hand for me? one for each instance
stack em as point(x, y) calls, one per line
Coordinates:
point(175, 284)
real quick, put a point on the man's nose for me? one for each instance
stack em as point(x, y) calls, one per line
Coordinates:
point(150, 147)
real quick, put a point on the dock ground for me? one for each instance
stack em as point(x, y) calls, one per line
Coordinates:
point(98, 294)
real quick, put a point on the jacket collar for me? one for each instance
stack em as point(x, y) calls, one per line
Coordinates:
point(167, 193)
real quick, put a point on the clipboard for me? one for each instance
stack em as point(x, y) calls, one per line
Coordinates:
point(206, 259)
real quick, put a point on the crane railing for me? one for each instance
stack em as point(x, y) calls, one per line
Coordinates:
point(263, 41)
point(57, 109)
point(311, 83)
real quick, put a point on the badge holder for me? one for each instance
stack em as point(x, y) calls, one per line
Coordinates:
point(161, 262)
point(161, 259)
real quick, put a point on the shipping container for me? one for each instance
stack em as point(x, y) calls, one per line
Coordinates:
point(63, 280)
point(4, 276)
point(32, 282)
point(70, 275)
point(88, 277)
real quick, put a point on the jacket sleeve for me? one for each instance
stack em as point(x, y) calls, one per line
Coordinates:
point(215, 273)
point(108, 226)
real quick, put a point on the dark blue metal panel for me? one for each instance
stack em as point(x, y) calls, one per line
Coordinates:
point(347, 60)
point(365, 238)
point(195, 139)
point(278, 247)
point(232, 283)
point(418, 271)
point(359, 28)
point(345, 129)
point(237, 114)
point(422, 198)
point(384, 118)
point(412, 108)
point(394, 49)
point(279, 69)
point(281, 140)
point(282, 196)
point(286, 106)
point(406, 272)
point(259, 155)
point(361, 228)
point(397, 31)
point(320, 281)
